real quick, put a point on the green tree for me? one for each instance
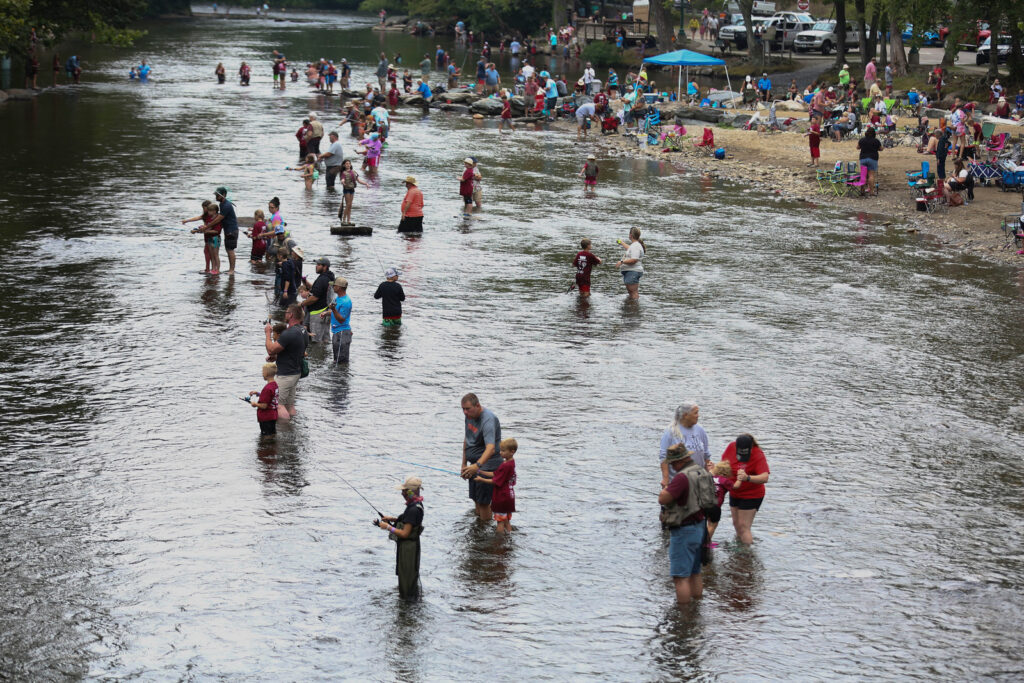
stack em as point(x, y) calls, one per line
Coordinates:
point(662, 20)
point(13, 24)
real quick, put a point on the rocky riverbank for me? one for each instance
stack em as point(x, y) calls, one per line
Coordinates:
point(777, 163)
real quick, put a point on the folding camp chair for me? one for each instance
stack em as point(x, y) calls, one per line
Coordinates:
point(1014, 232)
point(988, 129)
point(914, 176)
point(861, 183)
point(996, 144)
point(652, 123)
point(707, 144)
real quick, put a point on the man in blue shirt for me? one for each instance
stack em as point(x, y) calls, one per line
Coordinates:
point(424, 90)
point(514, 47)
point(453, 80)
point(492, 78)
point(764, 84)
point(550, 93)
point(340, 311)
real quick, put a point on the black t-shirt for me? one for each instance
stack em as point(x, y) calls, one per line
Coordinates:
point(942, 149)
point(230, 222)
point(320, 290)
point(869, 148)
point(289, 360)
point(413, 514)
point(393, 295)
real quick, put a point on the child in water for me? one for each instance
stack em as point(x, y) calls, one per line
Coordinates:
point(265, 401)
point(211, 237)
point(724, 481)
point(583, 262)
point(349, 179)
point(503, 500)
point(589, 175)
point(259, 244)
point(310, 174)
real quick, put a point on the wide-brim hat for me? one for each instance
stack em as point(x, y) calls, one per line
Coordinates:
point(413, 483)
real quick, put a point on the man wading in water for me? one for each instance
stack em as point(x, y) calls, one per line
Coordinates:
point(480, 452)
point(405, 530)
point(229, 222)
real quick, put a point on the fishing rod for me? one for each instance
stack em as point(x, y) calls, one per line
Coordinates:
point(429, 467)
point(358, 493)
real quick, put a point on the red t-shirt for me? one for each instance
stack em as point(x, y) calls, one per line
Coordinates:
point(756, 465)
point(466, 185)
point(583, 262)
point(503, 499)
point(506, 109)
point(269, 396)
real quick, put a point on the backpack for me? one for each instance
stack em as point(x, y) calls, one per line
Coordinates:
point(701, 497)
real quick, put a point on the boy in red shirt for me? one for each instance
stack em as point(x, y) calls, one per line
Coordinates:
point(506, 114)
point(266, 401)
point(503, 499)
point(583, 262)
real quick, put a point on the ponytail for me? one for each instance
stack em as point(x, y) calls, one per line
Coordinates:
point(634, 233)
point(276, 202)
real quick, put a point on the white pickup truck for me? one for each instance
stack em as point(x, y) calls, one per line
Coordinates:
point(822, 36)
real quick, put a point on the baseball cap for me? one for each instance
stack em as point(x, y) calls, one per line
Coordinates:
point(391, 272)
point(323, 261)
point(222, 191)
point(340, 282)
point(744, 446)
point(411, 483)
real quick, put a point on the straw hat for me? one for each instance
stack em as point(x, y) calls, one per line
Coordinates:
point(410, 179)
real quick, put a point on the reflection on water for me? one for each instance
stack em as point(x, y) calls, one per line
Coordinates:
point(150, 533)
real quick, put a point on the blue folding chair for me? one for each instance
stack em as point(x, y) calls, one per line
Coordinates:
point(914, 176)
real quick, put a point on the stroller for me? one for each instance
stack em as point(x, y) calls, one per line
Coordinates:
point(609, 124)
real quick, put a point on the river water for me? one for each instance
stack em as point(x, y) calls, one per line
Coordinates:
point(147, 533)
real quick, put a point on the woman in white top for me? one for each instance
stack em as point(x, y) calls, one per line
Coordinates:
point(630, 266)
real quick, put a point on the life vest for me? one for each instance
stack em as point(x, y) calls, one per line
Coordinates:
point(701, 496)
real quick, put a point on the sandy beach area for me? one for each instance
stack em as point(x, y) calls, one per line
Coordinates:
point(778, 163)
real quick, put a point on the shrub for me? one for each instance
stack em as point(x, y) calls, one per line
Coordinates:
point(601, 53)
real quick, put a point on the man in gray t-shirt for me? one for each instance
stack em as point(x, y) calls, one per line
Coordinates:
point(333, 157)
point(480, 451)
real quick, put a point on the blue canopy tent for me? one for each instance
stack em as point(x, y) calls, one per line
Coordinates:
point(688, 58)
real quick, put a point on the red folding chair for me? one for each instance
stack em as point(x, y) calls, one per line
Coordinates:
point(706, 145)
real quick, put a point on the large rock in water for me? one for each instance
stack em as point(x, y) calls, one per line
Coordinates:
point(413, 100)
point(455, 108)
point(790, 105)
point(461, 96)
point(489, 106)
point(21, 94)
point(518, 105)
point(684, 111)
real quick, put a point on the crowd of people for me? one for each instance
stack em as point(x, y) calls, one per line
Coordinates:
point(317, 310)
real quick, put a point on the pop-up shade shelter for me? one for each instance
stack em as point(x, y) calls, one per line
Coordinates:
point(688, 58)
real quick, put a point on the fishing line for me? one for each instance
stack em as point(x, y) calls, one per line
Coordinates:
point(429, 467)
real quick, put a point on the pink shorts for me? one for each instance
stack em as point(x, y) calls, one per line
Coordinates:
point(372, 162)
point(502, 516)
point(590, 181)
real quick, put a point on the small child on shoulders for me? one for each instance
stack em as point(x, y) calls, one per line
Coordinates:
point(503, 500)
point(265, 401)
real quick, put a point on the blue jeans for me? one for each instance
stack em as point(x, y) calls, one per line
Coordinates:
point(684, 550)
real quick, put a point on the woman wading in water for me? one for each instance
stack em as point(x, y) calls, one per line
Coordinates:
point(630, 265)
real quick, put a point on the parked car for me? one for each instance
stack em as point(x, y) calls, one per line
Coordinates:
point(737, 33)
point(984, 53)
point(822, 36)
point(788, 25)
point(933, 37)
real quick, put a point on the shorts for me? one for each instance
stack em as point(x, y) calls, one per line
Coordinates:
point(286, 389)
point(815, 152)
point(213, 242)
point(348, 190)
point(392, 322)
point(738, 503)
point(590, 181)
point(961, 130)
point(230, 241)
point(631, 277)
point(583, 122)
point(478, 492)
point(276, 75)
point(411, 224)
point(467, 199)
point(714, 515)
point(372, 162)
point(268, 428)
point(502, 516)
point(870, 164)
point(550, 103)
point(584, 289)
point(684, 550)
